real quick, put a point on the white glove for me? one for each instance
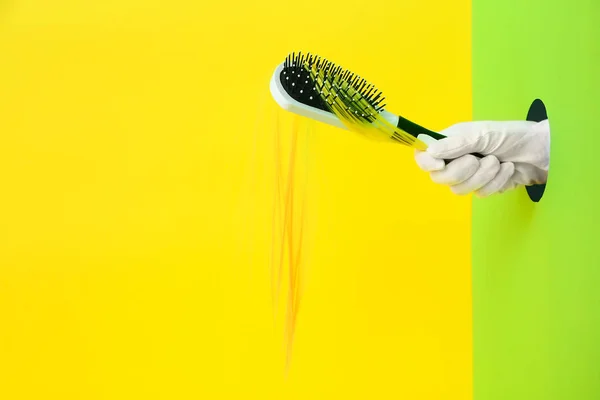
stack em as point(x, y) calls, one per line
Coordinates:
point(516, 153)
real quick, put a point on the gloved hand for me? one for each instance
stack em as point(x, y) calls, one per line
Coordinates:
point(516, 153)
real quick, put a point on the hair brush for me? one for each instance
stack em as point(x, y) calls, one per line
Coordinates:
point(316, 88)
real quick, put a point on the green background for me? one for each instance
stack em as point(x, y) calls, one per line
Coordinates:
point(536, 266)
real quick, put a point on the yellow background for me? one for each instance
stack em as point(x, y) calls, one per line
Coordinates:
point(136, 164)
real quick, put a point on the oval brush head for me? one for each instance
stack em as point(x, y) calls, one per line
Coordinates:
point(317, 88)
